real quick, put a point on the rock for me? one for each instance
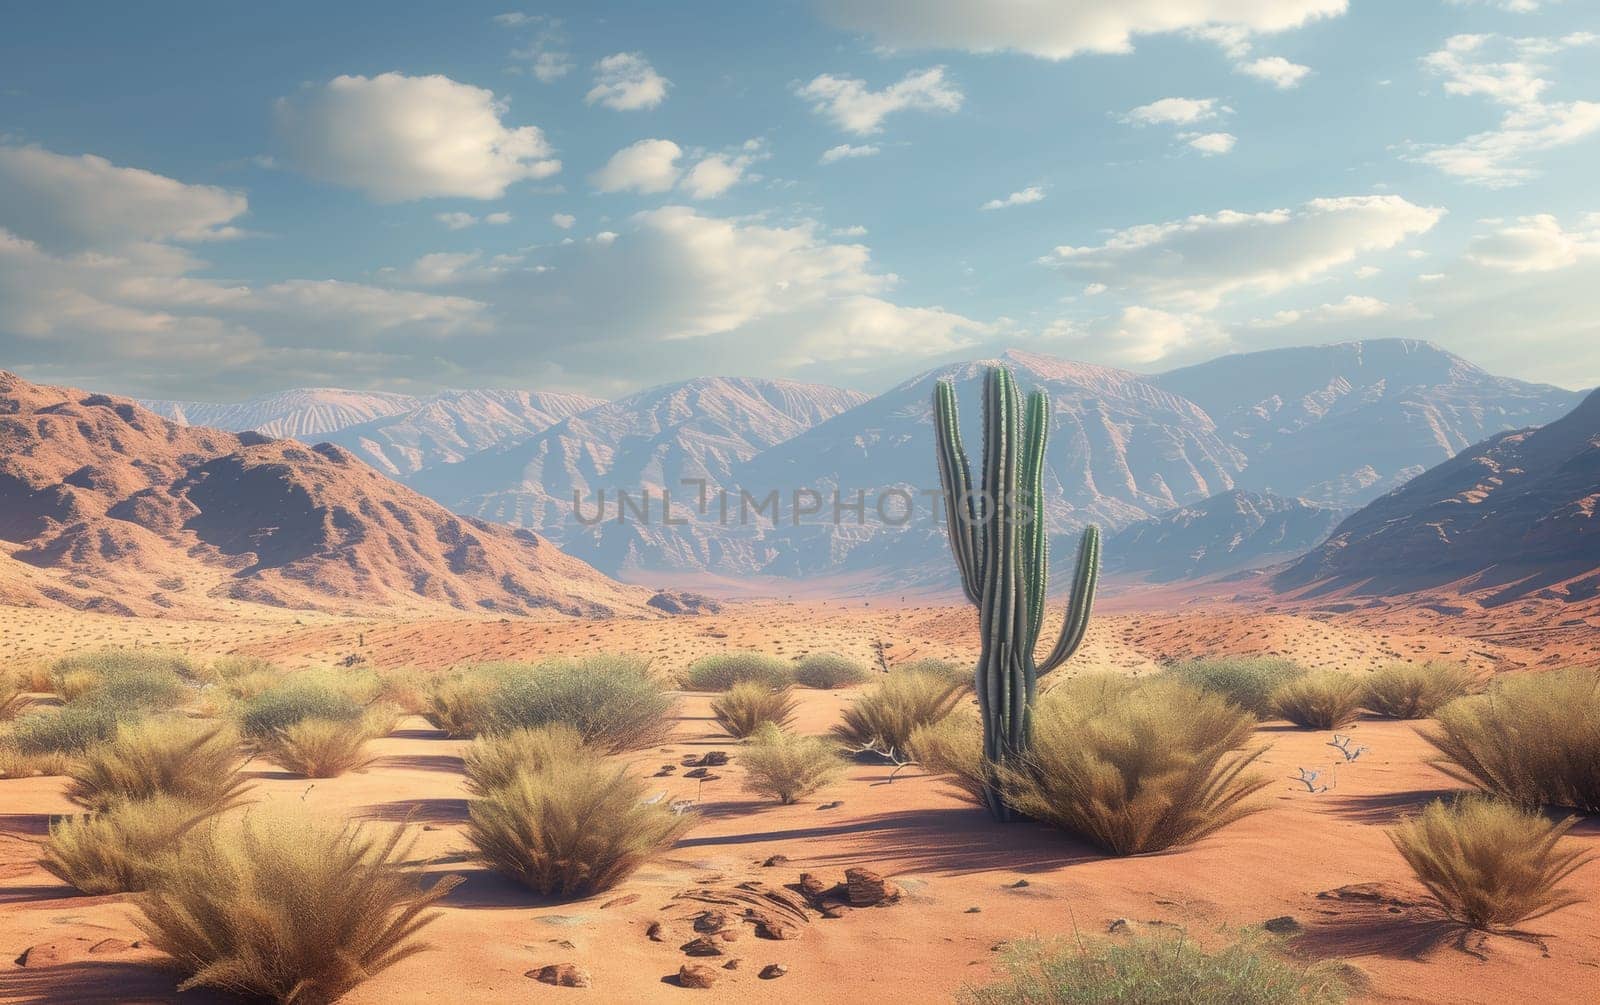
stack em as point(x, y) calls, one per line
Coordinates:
point(732, 964)
point(812, 887)
point(974, 910)
point(666, 769)
point(768, 927)
point(695, 975)
point(653, 932)
point(714, 758)
point(772, 971)
point(867, 888)
point(776, 860)
point(710, 921)
point(697, 773)
point(689, 760)
point(1122, 926)
point(834, 911)
point(561, 975)
point(1282, 925)
point(621, 901)
point(832, 806)
point(701, 946)
point(1020, 884)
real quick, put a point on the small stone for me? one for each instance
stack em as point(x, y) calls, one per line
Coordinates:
point(867, 888)
point(812, 886)
point(50, 954)
point(776, 860)
point(1020, 884)
point(708, 777)
point(974, 910)
point(666, 769)
point(697, 773)
point(832, 806)
point(622, 901)
point(1120, 926)
point(768, 927)
point(689, 760)
point(772, 971)
point(695, 975)
point(1282, 925)
point(710, 921)
point(714, 758)
point(732, 964)
point(653, 932)
point(561, 975)
point(834, 911)
point(701, 946)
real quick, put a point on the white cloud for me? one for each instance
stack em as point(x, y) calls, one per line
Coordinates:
point(1513, 6)
point(1033, 193)
point(628, 83)
point(1533, 244)
point(1136, 336)
point(1275, 70)
point(1351, 308)
point(646, 166)
point(1197, 262)
point(497, 219)
point(400, 138)
point(1176, 111)
point(70, 203)
point(845, 151)
point(1529, 125)
point(855, 108)
point(1064, 29)
point(854, 230)
point(546, 58)
point(1211, 144)
point(1094, 289)
point(1367, 272)
point(563, 220)
point(714, 175)
point(461, 221)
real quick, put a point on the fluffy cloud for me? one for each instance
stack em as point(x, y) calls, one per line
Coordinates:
point(1033, 193)
point(399, 138)
point(715, 174)
point(1064, 29)
point(544, 54)
point(563, 220)
point(627, 82)
point(1275, 70)
point(854, 107)
point(1351, 308)
point(461, 221)
point(71, 203)
point(1533, 244)
point(1211, 144)
point(1509, 73)
point(646, 166)
point(1136, 336)
point(845, 151)
point(1176, 111)
point(1197, 262)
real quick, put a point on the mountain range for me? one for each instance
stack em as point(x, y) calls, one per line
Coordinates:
point(1337, 426)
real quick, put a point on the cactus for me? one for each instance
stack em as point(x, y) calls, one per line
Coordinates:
point(997, 535)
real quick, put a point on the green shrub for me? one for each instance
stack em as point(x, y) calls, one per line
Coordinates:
point(1533, 738)
point(572, 828)
point(744, 708)
point(1489, 864)
point(1247, 681)
point(721, 671)
point(827, 671)
point(123, 848)
point(125, 679)
point(459, 704)
point(788, 767)
point(285, 906)
point(1136, 769)
point(228, 668)
point(71, 729)
point(1413, 691)
point(612, 701)
point(1326, 699)
point(1159, 970)
point(961, 674)
point(194, 761)
point(493, 761)
point(317, 748)
point(294, 700)
point(882, 719)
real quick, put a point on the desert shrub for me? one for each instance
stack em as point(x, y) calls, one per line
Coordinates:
point(459, 705)
point(249, 685)
point(953, 747)
point(612, 701)
point(1247, 681)
point(1413, 691)
point(124, 678)
point(744, 708)
point(493, 761)
point(1136, 770)
point(293, 700)
point(12, 698)
point(228, 668)
point(788, 767)
point(286, 906)
point(194, 761)
point(317, 748)
point(407, 690)
point(1533, 738)
point(882, 719)
point(35, 678)
point(1159, 970)
point(124, 847)
point(948, 670)
point(721, 671)
point(827, 671)
point(572, 828)
point(71, 729)
point(1488, 863)
point(1326, 699)
point(380, 719)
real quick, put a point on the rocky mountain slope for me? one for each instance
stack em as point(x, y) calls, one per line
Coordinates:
point(106, 505)
point(1226, 533)
point(1516, 513)
point(303, 412)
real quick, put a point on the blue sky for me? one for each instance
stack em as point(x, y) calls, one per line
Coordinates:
point(204, 200)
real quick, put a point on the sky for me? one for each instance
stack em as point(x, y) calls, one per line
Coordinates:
point(210, 201)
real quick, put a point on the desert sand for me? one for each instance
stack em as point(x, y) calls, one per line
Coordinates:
point(967, 884)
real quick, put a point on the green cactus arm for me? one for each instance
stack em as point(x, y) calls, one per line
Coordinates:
point(1000, 612)
point(955, 476)
point(1035, 546)
point(1084, 580)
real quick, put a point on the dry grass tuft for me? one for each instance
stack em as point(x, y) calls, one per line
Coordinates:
point(746, 707)
point(788, 767)
point(1160, 970)
point(1136, 769)
point(613, 702)
point(1489, 864)
point(407, 690)
point(198, 762)
point(124, 848)
point(285, 906)
point(882, 719)
point(573, 828)
point(296, 699)
point(961, 674)
point(721, 671)
point(12, 698)
point(828, 671)
point(125, 678)
point(1247, 681)
point(493, 761)
point(1532, 738)
point(953, 747)
point(459, 705)
point(1326, 699)
point(317, 748)
point(1413, 691)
